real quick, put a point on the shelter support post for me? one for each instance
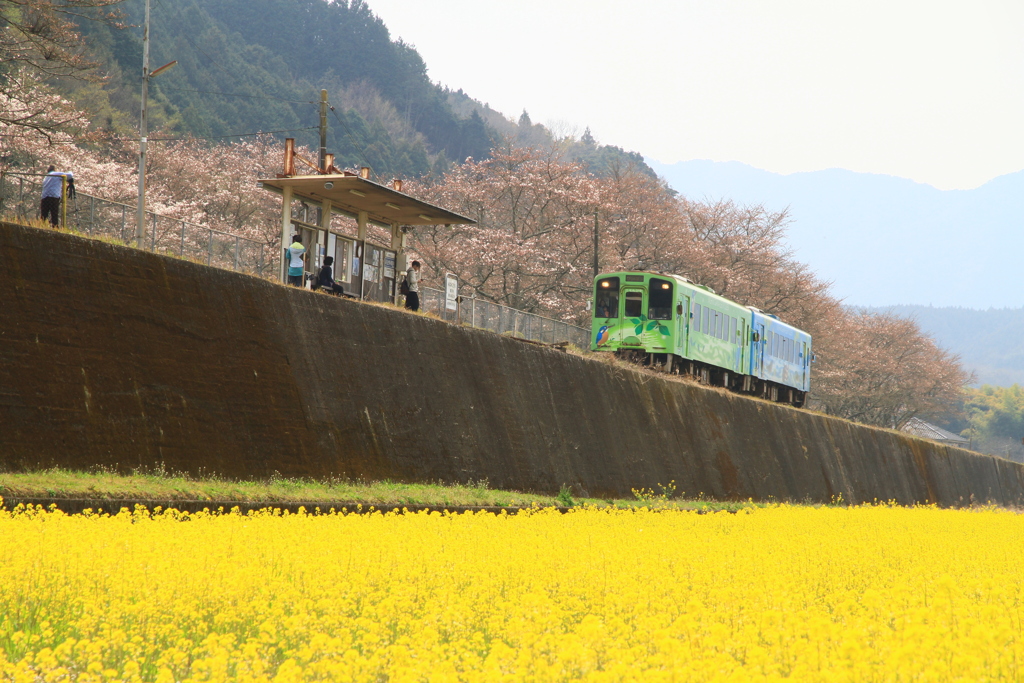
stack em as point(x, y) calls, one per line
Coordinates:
point(286, 226)
point(326, 208)
point(398, 246)
point(362, 218)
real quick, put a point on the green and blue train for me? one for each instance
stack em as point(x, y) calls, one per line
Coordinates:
point(683, 327)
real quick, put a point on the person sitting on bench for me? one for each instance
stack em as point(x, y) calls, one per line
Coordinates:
point(325, 279)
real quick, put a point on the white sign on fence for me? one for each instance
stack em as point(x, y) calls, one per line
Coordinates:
point(451, 292)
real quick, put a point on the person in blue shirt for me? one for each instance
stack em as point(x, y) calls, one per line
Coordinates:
point(53, 187)
point(294, 255)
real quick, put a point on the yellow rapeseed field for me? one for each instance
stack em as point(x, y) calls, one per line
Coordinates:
point(875, 593)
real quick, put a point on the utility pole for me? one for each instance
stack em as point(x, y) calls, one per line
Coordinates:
point(140, 215)
point(596, 245)
point(321, 219)
point(323, 128)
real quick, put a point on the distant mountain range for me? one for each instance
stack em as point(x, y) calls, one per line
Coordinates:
point(990, 343)
point(884, 240)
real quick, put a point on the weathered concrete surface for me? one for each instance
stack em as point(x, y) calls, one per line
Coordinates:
point(114, 357)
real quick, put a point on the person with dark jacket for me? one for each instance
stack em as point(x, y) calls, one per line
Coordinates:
point(325, 279)
point(412, 278)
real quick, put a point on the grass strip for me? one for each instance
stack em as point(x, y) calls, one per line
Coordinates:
point(58, 483)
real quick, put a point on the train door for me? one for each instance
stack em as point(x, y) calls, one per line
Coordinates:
point(744, 346)
point(683, 327)
point(805, 366)
point(632, 308)
point(758, 350)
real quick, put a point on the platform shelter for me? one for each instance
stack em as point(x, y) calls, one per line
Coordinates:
point(366, 270)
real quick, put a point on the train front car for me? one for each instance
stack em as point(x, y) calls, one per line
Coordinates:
point(780, 359)
point(634, 316)
point(668, 321)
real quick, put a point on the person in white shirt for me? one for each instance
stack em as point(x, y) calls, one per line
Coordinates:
point(53, 192)
point(294, 255)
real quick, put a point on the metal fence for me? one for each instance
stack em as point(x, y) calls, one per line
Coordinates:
point(504, 320)
point(99, 217)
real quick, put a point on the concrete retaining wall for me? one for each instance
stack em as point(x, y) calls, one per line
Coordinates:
point(111, 356)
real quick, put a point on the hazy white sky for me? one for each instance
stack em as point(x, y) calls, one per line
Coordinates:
point(930, 90)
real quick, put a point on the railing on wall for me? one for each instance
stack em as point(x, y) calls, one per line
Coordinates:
point(98, 217)
point(488, 315)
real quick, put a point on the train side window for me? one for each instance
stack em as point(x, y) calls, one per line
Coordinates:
point(606, 299)
point(732, 329)
point(696, 317)
point(718, 324)
point(659, 300)
point(771, 344)
point(707, 319)
point(634, 304)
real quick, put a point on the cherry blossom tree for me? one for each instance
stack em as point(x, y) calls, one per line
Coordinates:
point(39, 42)
point(881, 369)
point(531, 247)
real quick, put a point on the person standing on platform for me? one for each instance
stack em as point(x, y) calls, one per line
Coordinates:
point(294, 254)
point(412, 278)
point(53, 192)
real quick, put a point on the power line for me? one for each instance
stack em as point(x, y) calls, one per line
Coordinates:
point(191, 137)
point(232, 94)
point(233, 135)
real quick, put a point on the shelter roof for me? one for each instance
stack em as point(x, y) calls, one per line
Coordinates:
point(352, 194)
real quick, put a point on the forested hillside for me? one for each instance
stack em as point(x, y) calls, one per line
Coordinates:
point(259, 65)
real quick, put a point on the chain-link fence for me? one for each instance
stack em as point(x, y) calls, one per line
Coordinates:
point(504, 320)
point(97, 217)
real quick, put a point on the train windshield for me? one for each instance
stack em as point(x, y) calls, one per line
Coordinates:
point(606, 301)
point(659, 304)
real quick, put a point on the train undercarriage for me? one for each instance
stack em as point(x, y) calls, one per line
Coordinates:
point(710, 375)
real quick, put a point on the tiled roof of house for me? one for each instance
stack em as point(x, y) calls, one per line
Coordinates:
point(927, 430)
